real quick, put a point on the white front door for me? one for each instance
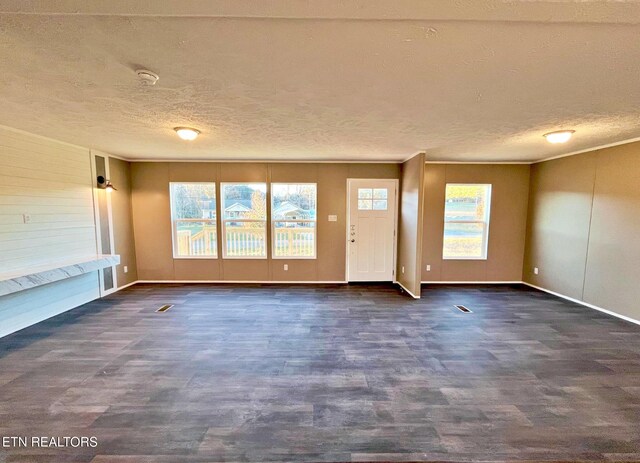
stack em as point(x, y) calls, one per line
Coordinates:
point(371, 229)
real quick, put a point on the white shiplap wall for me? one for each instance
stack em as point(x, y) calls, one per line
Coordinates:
point(51, 182)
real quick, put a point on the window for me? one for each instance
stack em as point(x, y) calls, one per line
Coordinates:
point(293, 218)
point(372, 199)
point(244, 220)
point(193, 216)
point(466, 221)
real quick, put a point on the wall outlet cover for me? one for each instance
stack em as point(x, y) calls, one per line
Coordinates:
point(126, 269)
point(428, 268)
point(333, 218)
point(535, 270)
point(286, 267)
point(26, 218)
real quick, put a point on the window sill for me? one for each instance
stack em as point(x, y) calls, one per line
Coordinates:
point(245, 258)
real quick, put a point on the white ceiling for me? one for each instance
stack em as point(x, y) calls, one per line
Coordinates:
point(327, 80)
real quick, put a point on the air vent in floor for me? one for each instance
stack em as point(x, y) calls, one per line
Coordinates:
point(462, 308)
point(164, 308)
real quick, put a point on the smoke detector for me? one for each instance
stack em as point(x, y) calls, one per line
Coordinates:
point(147, 77)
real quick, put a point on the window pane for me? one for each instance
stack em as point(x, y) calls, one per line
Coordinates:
point(466, 202)
point(365, 193)
point(246, 236)
point(466, 218)
point(244, 201)
point(196, 239)
point(463, 240)
point(245, 239)
point(193, 200)
point(380, 205)
point(293, 201)
point(365, 204)
point(380, 193)
point(193, 212)
point(294, 239)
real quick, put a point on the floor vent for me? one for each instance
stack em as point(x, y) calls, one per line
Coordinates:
point(164, 308)
point(462, 308)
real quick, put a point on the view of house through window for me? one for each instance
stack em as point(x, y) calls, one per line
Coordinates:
point(193, 215)
point(244, 219)
point(466, 221)
point(293, 212)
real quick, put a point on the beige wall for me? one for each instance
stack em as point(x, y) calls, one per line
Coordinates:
point(507, 225)
point(120, 173)
point(410, 223)
point(558, 225)
point(152, 219)
point(583, 228)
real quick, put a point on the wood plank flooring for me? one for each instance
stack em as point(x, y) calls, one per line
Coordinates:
point(325, 373)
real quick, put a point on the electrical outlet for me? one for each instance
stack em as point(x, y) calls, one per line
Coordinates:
point(428, 268)
point(126, 269)
point(333, 218)
point(535, 270)
point(26, 218)
point(286, 267)
point(403, 269)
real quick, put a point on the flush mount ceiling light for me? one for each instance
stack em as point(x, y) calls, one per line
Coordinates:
point(187, 133)
point(147, 77)
point(561, 136)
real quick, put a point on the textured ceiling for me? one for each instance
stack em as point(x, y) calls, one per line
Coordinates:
point(329, 81)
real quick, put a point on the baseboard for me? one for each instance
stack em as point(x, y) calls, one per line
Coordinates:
point(409, 292)
point(125, 286)
point(471, 282)
point(586, 304)
point(261, 282)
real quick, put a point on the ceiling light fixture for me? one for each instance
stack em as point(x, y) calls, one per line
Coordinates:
point(187, 133)
point(147, 77)
point(561, 136)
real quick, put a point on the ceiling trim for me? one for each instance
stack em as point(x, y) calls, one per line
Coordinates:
point(42, 137)
point(262, 161)
point(545, 11)
point(480, 162)
point(595, 148)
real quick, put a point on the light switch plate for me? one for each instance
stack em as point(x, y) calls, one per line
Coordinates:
point(333, 218)
point(428, 268)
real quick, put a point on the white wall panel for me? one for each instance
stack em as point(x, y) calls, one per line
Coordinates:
point(51, 182)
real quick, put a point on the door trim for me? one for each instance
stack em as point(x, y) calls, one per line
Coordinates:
point(396, 183)
point(96, 218)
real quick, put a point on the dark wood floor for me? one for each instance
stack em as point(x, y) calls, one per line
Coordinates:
point(325, 373)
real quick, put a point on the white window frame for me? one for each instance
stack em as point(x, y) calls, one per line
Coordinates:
point(274, 220)
point(174, 228)
point(223, 221)
point(485, 222)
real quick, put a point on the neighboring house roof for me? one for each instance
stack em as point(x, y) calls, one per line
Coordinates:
point(237, 207)
point(288, 208)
